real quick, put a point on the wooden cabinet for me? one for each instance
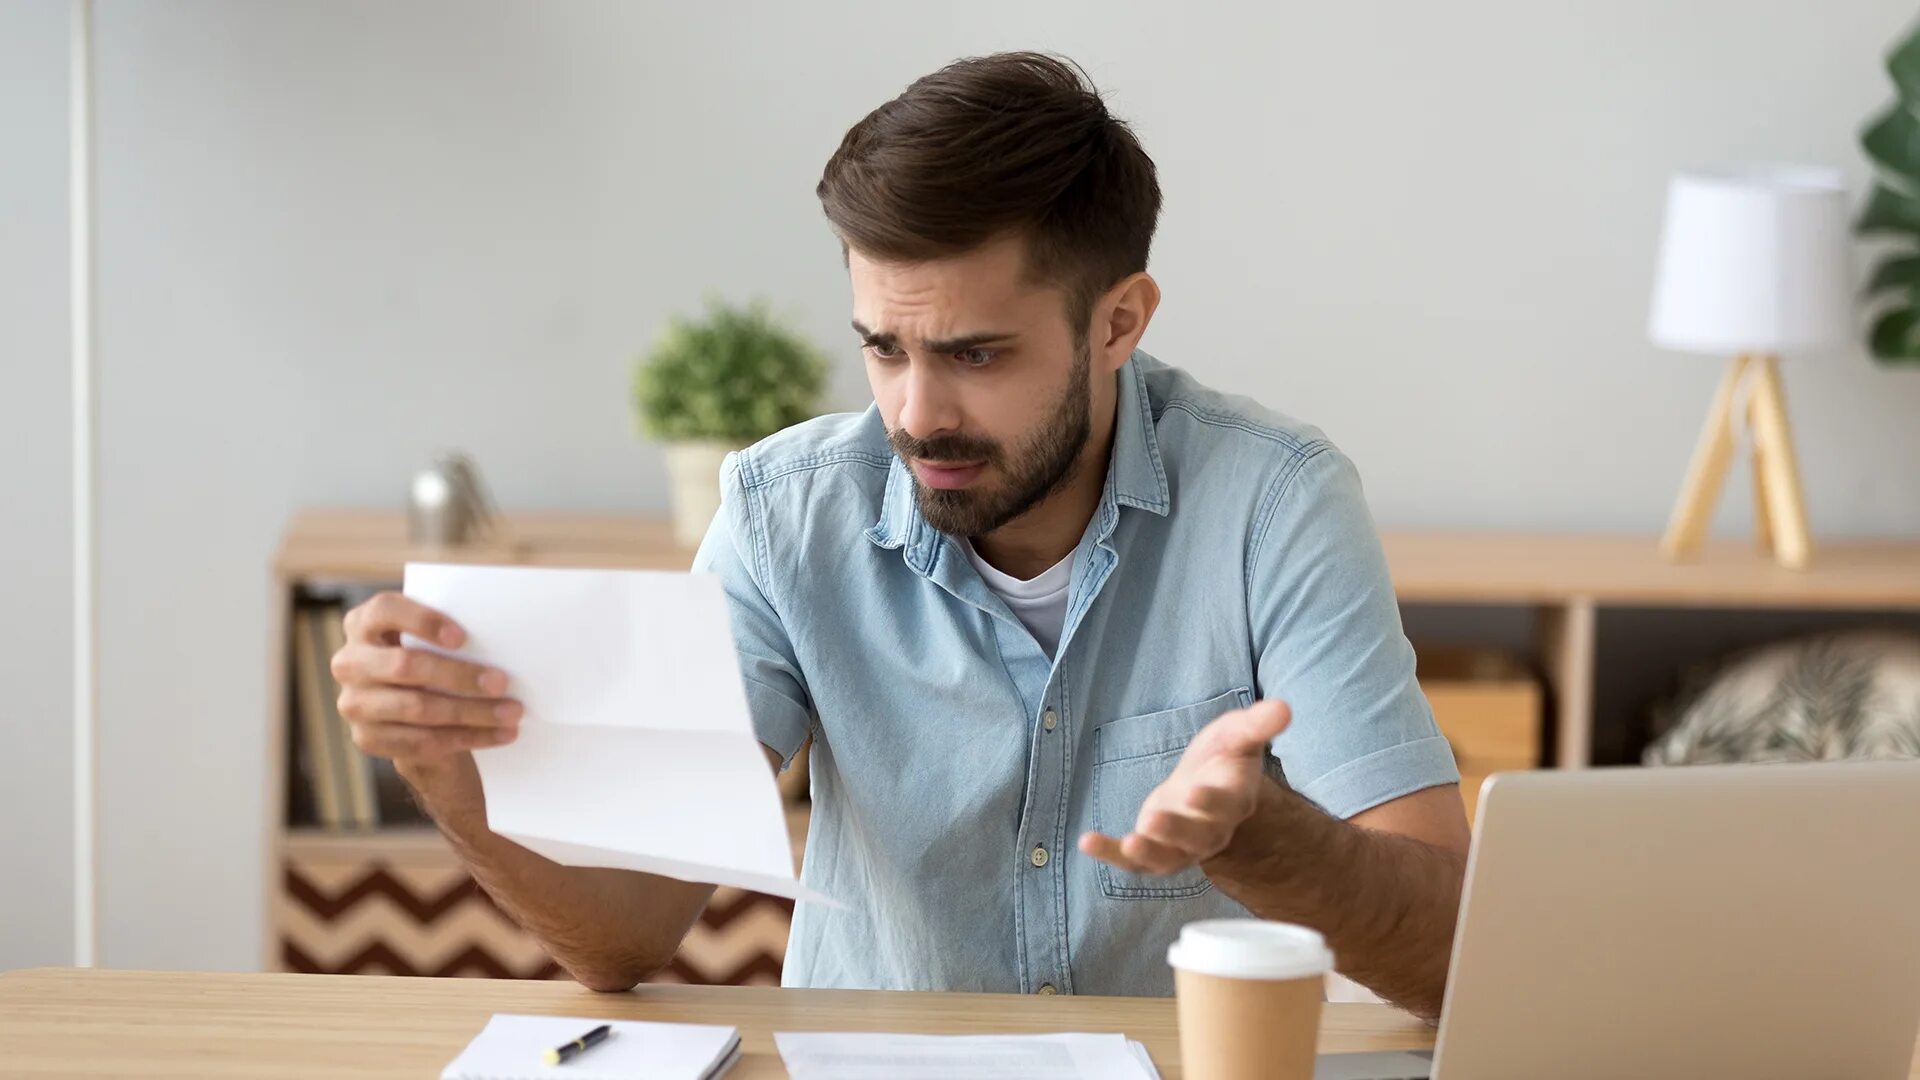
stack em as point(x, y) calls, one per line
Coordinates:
point(358, 890)
point(398, 902)
point(1489, 706)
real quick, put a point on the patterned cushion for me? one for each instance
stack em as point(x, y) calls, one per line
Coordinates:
point(1827, 698)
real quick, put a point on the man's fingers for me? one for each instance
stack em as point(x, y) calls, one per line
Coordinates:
point(384, 618)
point(1192, 837)
point(359, 663)
point(1135, 854)
point(1154, 857)
point(1107, 850)
point(413, 703)
point(1206, 800)
point(414, 742)
point(419, 708)
point(1246, 732)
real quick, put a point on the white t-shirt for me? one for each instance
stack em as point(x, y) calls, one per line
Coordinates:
point(1040, 603)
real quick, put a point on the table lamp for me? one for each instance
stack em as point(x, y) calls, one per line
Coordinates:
point(1753, 263)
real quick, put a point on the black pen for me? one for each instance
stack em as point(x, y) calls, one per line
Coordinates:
point(592, 1038)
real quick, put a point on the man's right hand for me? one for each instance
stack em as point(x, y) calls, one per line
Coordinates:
point(415, 706)
point(607, 928)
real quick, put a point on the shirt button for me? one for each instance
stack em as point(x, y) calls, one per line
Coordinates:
point(1049, 719)
point(1038, 856)
point(1046, 990)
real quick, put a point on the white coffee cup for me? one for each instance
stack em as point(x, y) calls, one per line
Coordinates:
point(1249, 994)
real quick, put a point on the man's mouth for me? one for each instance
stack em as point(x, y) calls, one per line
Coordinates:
point(947, 475)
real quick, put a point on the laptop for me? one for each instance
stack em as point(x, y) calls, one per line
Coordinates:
point(1724, 921)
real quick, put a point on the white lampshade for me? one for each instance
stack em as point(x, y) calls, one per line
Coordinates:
point(1754, 260)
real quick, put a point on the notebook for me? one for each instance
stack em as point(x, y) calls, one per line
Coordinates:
point(511, 1047)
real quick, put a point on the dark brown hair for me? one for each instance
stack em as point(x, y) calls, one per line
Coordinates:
point(989, 146)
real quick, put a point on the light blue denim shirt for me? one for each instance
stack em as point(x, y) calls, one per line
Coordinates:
point(954, 765)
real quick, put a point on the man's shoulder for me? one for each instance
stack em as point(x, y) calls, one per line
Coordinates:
point(1200, 427)
point(841, 446)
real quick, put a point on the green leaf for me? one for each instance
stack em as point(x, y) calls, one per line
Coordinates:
point(734, 376)
point(1903, 64)
point(1893, 336)
point(1888, 211)
point(1903, 272)
point(1893, 140)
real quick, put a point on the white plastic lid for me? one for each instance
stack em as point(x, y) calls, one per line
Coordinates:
point(1250, 949)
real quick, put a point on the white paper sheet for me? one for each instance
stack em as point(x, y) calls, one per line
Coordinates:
point(513, 1046)
point(636, 750)
point(874, 1056)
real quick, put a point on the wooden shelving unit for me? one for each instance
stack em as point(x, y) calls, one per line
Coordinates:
point(1569, 581)
point(1627, 571)
point(397, 898)
point(1564, 586)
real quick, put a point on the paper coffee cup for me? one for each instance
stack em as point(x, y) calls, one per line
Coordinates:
point(1249, 994)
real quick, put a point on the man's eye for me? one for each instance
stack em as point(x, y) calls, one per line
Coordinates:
point(883, 352)
point(975, 357)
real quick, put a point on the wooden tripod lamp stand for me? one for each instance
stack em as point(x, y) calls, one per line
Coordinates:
point(1753, 264)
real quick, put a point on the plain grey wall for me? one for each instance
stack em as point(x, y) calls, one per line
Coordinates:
point(336, 237)
point(36, 623)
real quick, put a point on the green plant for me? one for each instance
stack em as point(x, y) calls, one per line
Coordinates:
point(734, 376)
point(1892, 140)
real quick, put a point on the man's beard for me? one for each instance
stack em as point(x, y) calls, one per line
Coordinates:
point(1043, 465)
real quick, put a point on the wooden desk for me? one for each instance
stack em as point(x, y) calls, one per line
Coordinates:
point(71, 1023)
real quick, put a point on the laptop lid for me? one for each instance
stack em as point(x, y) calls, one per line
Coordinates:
point(1743, 920)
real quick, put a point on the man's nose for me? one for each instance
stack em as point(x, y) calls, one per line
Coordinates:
point(928, 409)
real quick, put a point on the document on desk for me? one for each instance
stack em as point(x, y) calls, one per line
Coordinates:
point(513, 1046)
point(636, 750)
point(875, 1056)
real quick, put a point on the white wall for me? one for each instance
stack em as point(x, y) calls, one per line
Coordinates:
point(36, 624)
point(335, 237)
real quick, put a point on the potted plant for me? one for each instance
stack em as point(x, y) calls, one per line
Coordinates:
point(1892, 140)
point(713, 385)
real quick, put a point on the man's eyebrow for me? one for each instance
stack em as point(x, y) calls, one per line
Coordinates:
point(885, 341)
point(943, 347)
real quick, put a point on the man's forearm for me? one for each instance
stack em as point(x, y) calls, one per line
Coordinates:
point(607, 928)
point(1386, 903)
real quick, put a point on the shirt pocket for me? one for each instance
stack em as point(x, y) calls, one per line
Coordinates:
point(1131, 757)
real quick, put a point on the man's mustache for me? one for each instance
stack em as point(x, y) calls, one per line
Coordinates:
point(944, 448)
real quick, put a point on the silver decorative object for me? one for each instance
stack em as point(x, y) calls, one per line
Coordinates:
point(448, 505)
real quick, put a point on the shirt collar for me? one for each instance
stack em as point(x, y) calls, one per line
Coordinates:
point(1135, 474)
point(1139, 477)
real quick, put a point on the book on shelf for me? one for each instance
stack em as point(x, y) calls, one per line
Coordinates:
point(320, 749)
point(345, 788)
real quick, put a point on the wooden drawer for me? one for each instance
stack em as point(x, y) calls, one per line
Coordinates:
point(1489, 706)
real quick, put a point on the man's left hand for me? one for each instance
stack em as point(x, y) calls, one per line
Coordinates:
point(1191, 817)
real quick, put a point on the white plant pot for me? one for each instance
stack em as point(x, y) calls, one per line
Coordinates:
point(693, 481)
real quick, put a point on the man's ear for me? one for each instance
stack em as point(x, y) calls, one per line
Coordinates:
point(1120, 317)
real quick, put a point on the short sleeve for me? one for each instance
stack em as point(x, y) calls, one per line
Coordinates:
point(776, 692)
point(1328, 641)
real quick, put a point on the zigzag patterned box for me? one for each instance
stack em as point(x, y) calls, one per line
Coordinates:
point(401, 904)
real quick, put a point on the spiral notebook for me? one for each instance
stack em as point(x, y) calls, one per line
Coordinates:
point(511, 1047)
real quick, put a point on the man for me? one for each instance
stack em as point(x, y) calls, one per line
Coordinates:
point(1085, 649)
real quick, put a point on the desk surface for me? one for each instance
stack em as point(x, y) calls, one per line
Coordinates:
point(65, 1022)
point(69, 1023)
